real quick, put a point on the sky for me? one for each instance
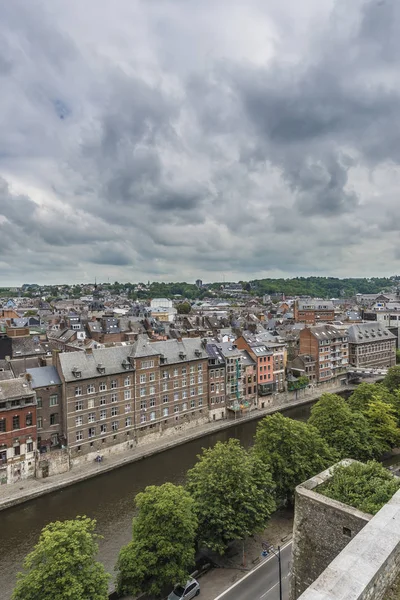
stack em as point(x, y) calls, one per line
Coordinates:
point(172, 140)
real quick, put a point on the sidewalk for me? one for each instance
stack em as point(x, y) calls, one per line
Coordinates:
point(28, 489)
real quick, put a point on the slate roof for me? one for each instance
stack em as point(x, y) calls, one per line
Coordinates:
point(110, 358)
point(43, 377)
point(14, 388)
point(170, 349)
point(315, 304)
point(25, 346)
point(326, 332)
point(362, 333)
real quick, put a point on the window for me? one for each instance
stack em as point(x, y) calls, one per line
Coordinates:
point(142, 392)
point(200, 389)
point(152, 377)
point(114, 397)
point(212, 387)
point(165, 387)
point(152, 402)
point(79, 436)
point(152, 390)
point(114, 425)
point(152, 416)
point(175, 372)
point(184, 370)
point(127, 381)
point(192, 369)
point(200, 379)
point(165, 374)
point(176, 384)
point(184, 394)
point(165, 411)
point(103, 415)
point(128, 422)
point(102, 400)
point(176, 396)
point(79, 405)
point(3, 425)
point(184, 406)
point(17, 450)
point(127, 394)
point(91, 432)
point(54, 419)
point(165, 399)
point(91, 389)
point(192, 391)
point(199, 368)
point(113, 384)
point(143, 378)
point(114, 411)
point(78, 391)
point(78, 421)
point(91, 417)
point(28, 420)
point(15, 422)
point(192, 403)
point(176, 408)
point(184, 382)
point(200, 401)
point(192, 381)
point(40, 422)
point(212, 374)
point(143, 418)
point(102, 387)
point(147, 364)
point(90, 403)
point(29, 447)
point(127, 408)
point(103, 428)
point(143, 404)
point(39, 402)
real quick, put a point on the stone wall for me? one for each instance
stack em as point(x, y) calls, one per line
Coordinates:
point(322, 528)
point(368, 565)
point(51, 463)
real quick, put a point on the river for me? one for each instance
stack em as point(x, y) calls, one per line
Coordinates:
point(107, 498)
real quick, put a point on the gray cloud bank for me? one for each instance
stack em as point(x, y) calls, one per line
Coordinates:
point(177, 139)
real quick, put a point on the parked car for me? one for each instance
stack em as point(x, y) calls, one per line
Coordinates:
point(186, 592)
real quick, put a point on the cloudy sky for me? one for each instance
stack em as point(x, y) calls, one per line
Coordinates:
point(177, 139)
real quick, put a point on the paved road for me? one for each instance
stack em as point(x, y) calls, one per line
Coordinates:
point(262, 583)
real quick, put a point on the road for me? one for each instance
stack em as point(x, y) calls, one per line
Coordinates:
point(262, 583)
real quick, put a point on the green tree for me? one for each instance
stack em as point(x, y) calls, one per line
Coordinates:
point(62, 565)
point(344, 430)
point(383, 425)
point(365, 393)
point(397, 357)
point(294, 452)
point(162, 549)
point(183, 308)
point(233, 494)
point(366, 487)
point(392, 379)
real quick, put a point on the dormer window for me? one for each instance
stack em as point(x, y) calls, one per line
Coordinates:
point(76, 372)
point(182, 355)
point(101, 368)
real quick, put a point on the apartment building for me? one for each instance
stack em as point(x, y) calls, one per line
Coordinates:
point(314, 311)
point(371, 345)
point(270, 357)
point(329, 347)
point(234, 375)
point(216, 382)
point(249, 369)
point(46, 382)
point(17, 430)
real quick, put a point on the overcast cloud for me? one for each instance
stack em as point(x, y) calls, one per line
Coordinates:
point(179, 139)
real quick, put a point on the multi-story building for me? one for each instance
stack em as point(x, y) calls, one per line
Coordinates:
point(303, 364)
point(17, 430)
point(46, 382)
point(329, 347)
point(314, 311)
point(249, 368)
point(234, 375)
point(216, 382)
point(270, 357)
point(371, 345)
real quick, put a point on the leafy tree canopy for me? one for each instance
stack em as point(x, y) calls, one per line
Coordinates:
point(365, 393)
point(162, 550)
point(62, 565)
point(294, 452)
point(383, 425)
point(364, 486)
point(233, 493)
point(392, 379)
point(183, 308)
point(344, 430)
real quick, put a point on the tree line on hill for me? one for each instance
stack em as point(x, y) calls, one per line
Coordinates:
point(229, 494)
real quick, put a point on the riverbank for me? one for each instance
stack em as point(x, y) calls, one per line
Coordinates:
point(14, 494)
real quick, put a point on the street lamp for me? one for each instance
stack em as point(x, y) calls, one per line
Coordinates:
point(267, 548)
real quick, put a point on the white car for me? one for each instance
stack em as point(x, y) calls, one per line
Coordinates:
point(190, 590)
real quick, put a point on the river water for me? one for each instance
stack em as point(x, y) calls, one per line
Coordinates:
point(107, 498)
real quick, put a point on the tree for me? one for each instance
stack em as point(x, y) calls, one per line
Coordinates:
point(294, 452)
point(392, 379)
point(383, 425)
point(162, 549)
point(233, 494)
point(62, 565)
point(365, 393)
point(344, 430)
point(366, 487)
point(397, 357)
point(183, 308)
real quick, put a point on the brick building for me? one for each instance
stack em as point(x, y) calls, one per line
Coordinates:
point(17, 430)
point(371, 345)
point(46, 382)
point(329, 347)
point(216, 382)
point(270, 358)
point(314, 311)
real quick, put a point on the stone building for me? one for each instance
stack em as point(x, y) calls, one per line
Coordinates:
point(328, 346)
point(371, 345)
point(17, 430)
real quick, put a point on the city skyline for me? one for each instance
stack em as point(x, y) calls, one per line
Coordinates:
point(177, 140)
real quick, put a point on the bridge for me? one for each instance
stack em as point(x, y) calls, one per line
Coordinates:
point(356, 373)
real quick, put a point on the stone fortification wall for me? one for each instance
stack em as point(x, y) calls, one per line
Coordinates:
point(322, 528)
point(368, 565)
